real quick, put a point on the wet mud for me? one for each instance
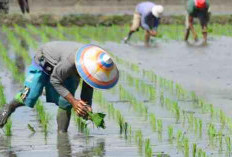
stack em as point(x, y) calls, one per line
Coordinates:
point(204, 69)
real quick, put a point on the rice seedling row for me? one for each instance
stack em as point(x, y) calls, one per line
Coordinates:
point(181, 93)
point(144, 145)
point(191, 118)
point(151, 88)
point(43, 116)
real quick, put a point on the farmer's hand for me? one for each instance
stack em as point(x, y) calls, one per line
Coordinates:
point(153, 33)
point(81, 108)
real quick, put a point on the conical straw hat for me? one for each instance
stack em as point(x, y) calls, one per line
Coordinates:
point(96, 67)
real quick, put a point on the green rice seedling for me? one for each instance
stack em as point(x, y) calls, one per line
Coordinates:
point(228, 144)
point(184, 118)
point(111, 111)
point(10, 64)
point(194, 97)
point(162, 98)
point(125, 128)
point(186, 147)
point(179, 137)
point(220, 140)
point(190, 120)
point(194, 149)
point(211, 110)
point(211, 133)
point(153, 121)
point(137, 85)
point(144, 110)
point(81, 124)
point(152, 93)
point(139, 138)
point(32, 29)
point(43, 116)
point(203, 154)
point(148, 149)
point(222, 118)
point(160, 128)
point(31, 128)
point(195, 125)
point(169, 104)
point(199, 152)
point(2, 96)
point(171, 86)
point(120, 120)
point(170, 134)
point(8, 128)
point(16, 45)
point(177, 111)
point(130, 131)
point(200, 127)
point(26, 36)
point(154, 78)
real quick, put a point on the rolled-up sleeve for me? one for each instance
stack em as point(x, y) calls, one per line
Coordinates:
point(60, 73)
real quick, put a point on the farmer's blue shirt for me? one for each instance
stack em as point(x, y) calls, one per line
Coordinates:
point(148, 20)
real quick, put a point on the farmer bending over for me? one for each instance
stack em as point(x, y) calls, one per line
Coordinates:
point(58, 67)
point(147, 15)
point(197, 9)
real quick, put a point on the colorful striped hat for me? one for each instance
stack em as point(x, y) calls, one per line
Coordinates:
point(96, 67)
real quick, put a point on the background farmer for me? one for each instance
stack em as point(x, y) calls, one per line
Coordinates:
point(58, 66)
point(147, 15)
point(24, 6)
point(197, 9)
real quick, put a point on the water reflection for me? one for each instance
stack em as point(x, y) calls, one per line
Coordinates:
point(5, 147)
point(65, 148)
point(63, 145)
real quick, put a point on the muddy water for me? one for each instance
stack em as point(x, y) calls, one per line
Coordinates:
point(23, 142)
point(106, 142)
point(204, 69)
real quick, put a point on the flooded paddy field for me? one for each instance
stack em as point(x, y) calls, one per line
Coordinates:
point(172, 99)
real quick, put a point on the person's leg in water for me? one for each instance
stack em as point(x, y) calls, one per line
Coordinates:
point(63, 119)
point(191, 13)
point(33, 87)
point(204, 17)
point(64, 110)
point(189, 27)
point(134, 27)
point(187, 32)
point(7, 110)
point(21, 5)
point(27, 6)
point(147, 38)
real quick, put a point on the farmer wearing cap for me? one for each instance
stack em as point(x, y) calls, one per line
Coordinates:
point(58, 67)
point(147, 15)
point(197, 9)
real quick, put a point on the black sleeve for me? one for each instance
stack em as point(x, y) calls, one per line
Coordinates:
point(86, 93)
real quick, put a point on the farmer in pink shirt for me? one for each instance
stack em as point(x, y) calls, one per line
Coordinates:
point(147, 15)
